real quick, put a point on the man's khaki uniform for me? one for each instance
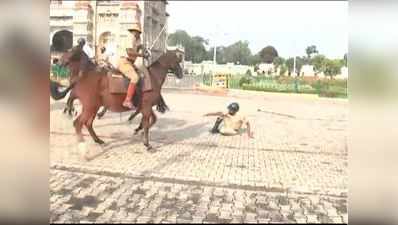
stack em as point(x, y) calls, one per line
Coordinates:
point(125, 63)
point(232, 124)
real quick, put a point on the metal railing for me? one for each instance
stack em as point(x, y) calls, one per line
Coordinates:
point(265, 84)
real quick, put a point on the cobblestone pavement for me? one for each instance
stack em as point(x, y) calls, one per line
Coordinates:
point(81, 197)
point(294, 170)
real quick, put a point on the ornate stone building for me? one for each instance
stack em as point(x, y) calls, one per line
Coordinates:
point(104, 23)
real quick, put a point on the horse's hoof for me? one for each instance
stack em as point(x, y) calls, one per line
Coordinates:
point(83, 151)
point(148, 147)
point(99, 141)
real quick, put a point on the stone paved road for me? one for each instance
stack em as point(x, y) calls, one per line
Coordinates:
point(299, 152)
point(81, 197)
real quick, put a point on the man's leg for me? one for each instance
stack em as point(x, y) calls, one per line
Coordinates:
point(128, 70)
point(139, 64)
point(216, 126)
point(227, 131)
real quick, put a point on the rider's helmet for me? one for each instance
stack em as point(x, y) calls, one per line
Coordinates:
point(233, 108)
point(81, 42)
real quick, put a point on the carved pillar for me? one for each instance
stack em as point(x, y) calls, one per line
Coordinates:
point(130, 13)
point(83, 22)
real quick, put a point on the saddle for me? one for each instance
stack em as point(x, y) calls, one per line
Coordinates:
point(118, 82)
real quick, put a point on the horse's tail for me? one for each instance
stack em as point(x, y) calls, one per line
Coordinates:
point(55, 93)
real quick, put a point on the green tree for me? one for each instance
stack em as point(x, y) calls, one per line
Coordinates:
point(268, 54)
point(318, 62)
point(195, 50)
point(332, 67)
point(283, 70)
point(238, 52)
point(220, 55)
point(254, 59)
point(311, 50)
point(278, 61)
point(300, 61)
point(198, 50)
point(289, 63)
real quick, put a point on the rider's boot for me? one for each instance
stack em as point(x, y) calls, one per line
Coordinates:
point(215, 128)
point(130, 94)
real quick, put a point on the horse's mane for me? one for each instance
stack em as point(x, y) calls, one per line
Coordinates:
point(75, 54)
point(164, 55)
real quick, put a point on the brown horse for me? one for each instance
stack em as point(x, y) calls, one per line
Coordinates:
point(161, 105)
point(92, 90)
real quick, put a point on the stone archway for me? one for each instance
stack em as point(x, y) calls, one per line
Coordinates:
point(62, 41)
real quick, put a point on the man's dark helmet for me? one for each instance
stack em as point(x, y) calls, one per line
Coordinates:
point(234, 107)
point(81, 41)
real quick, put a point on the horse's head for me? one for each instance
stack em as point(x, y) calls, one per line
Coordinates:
point(70, 59)
point(172, 60)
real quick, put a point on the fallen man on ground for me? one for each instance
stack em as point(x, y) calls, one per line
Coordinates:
point(230, 123)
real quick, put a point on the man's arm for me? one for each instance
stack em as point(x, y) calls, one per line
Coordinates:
point(214, 114)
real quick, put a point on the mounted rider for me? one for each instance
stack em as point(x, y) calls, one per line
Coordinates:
point(134, 59)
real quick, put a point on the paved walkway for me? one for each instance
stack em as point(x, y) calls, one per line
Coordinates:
point(299, 152)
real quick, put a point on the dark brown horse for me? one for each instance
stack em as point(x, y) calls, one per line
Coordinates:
point(161, 105)
point(93, 92)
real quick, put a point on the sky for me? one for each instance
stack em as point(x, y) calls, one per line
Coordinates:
point(289, 26)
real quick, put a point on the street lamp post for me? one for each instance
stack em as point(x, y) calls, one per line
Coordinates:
point(215, 45)
point(215, 53)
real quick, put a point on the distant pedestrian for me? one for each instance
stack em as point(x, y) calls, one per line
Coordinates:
point(55, 68)
point(104, 57)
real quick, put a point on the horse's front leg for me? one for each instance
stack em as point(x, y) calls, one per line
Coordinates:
point(68, 105)
point(138, 128)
